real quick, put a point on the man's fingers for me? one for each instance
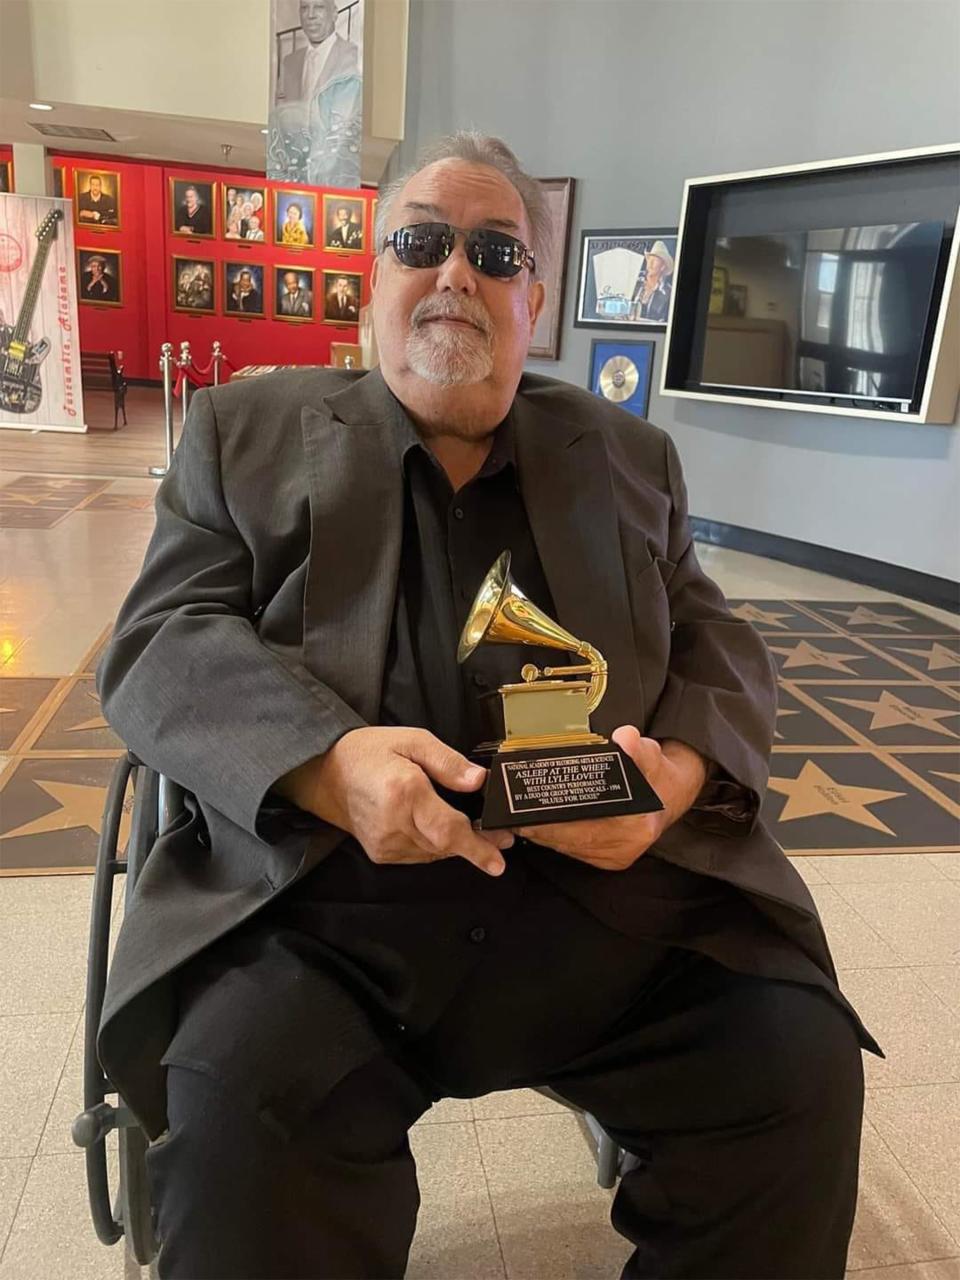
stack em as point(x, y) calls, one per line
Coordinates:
point(451, 832)
point(645, 753)
point(442, 763)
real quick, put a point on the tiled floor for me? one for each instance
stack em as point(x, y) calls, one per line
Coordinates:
point(508, 1181)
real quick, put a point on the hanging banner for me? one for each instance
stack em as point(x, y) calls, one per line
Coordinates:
point(316, 93)
point(39, 338)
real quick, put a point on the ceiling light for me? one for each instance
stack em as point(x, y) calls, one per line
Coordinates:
point(40, 106)
point(263, 131)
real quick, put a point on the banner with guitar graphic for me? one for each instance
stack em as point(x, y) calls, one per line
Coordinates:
point(39, 336)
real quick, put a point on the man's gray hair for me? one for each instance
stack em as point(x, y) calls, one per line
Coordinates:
point(478, 148)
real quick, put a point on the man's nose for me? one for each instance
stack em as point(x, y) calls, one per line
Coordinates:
point(456, 273)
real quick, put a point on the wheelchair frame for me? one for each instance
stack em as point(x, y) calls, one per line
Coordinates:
point(158, 801)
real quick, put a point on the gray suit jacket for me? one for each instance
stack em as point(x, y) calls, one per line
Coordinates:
point(256, 635)
point(341, 61)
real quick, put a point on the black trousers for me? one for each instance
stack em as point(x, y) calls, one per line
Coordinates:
point(291, 1091)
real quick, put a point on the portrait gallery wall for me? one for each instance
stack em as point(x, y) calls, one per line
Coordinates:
point(164, 253)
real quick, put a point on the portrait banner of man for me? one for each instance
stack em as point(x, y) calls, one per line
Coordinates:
point(244, 211)
point(295, 219)
point(343, 224)
point(193, 285)
point(342, 296)
point(626, 278)
point(191, 207)
point(316, 92)
point(97, 198)
point(293, 293)
point(243, 289)
point(99, 279)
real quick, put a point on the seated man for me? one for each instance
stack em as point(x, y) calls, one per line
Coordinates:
point(324, 945)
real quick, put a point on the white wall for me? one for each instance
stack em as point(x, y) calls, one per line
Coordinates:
point(631, 97)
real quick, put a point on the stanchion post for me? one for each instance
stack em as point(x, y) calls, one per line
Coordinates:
point(217, 357)
point(185, 362)
point(166, 373)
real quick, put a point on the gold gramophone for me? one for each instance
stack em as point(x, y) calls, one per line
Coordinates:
point(545, 761)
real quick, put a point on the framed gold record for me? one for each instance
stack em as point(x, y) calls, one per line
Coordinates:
point(622, 372)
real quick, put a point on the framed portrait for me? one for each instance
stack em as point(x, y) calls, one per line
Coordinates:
point(244, 212)
point(193, 285)
point(293, 293)
point(96, 199)
point(621, 372)
point(192, 207)
point(59, 173)
point(243, 289)
point(294, 219)
point(99, 278)
point(6, 176)
point(718, 291)
point(342, 297)
point(558, 193)
point(626, 278)
point(343, 224)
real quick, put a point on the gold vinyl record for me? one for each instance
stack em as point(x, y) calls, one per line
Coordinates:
point(619, 378)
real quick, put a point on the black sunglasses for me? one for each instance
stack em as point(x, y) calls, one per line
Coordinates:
point(428, 244)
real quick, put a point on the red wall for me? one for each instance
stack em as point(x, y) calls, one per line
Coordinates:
point(147, 319)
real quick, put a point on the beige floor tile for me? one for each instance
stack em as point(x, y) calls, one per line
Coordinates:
point(920, 1037)
point(944, 979)
point(52, 1236)
point(515, 1102)
point(921, 1126)
point(44, 923)
point(447, 1111)
point(552, 1218)
point(852, 941)
point(921, 922)
point(888, 868)
point(808, 872)
point(894, 1223)
point(33, 1050)
point(945, 1269)
point(947, 863)
point(13, 1178)
point(67, 1101)
point(456, 1235)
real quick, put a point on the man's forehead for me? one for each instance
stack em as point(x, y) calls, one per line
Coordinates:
point(463, 193)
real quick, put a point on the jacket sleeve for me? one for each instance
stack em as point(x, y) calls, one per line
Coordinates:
point(185, 681)
point(720, 695)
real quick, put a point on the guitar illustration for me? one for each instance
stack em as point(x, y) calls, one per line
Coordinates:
point(20, 360)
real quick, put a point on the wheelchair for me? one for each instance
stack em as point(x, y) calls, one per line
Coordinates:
point(157, 802)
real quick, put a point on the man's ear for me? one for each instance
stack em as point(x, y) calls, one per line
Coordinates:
point(536, 297)
point(374, 273)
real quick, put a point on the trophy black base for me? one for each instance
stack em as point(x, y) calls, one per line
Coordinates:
point(563, 784)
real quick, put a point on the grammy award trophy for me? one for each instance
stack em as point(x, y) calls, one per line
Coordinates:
point(545, 762)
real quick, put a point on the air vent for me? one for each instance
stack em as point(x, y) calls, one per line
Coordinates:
point(71, 131)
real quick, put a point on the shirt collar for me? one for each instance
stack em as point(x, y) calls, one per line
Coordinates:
point(502, 453)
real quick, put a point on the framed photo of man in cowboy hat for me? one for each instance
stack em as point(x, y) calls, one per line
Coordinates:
point(626, 278)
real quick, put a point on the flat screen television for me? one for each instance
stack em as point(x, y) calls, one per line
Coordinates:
point(814, 288)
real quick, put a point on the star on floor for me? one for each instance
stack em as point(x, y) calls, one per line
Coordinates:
point(804, 654)
point(938, 656)
point(97, 722)
point(79, 806)
point(20, 499)
point(784, 711)
point(861, 616)
point(814, 792)
point(950, 777)
point(753, 613)
point(889, 711)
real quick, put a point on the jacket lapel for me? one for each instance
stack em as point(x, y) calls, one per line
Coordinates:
point(356, 530)
point(567, 490)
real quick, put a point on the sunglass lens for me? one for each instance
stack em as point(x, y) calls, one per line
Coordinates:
point(495, 253)
point(426, 244)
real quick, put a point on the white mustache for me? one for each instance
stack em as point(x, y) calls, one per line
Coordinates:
point(447, 307)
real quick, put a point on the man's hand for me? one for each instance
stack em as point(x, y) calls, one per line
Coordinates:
point(376, 784)
point(674, 770)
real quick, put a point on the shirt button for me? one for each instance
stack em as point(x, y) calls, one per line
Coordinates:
point(478, 934)
point(458, 512)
